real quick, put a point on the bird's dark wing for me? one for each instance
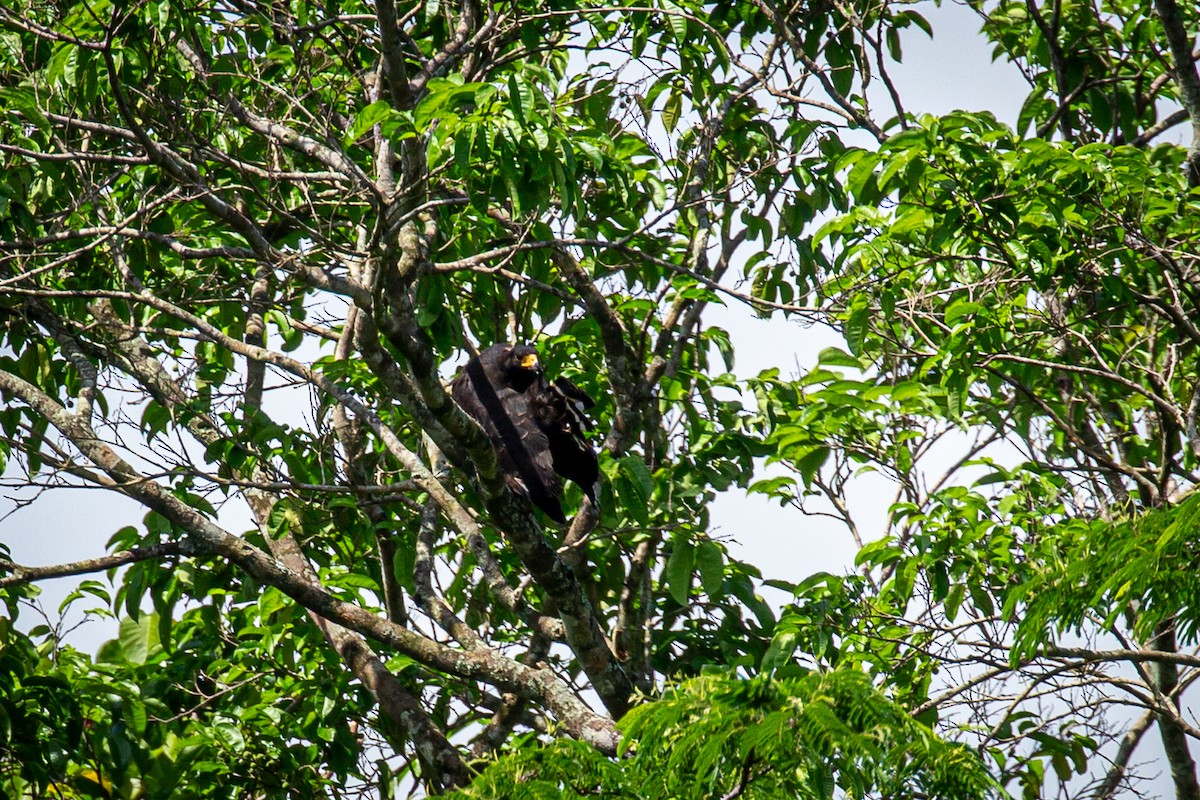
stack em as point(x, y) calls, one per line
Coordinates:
point(483, 389)
point(559, 409)
point(530, 450)
point(572, 392)
point(576, 460)
point(463, 393)
point(578, 402)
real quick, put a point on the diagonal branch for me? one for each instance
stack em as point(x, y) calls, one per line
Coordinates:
point(289, 138)
point(395, 316)
point(624, 364)
point(1107, 789)
point(442, 762)
point(205, 535)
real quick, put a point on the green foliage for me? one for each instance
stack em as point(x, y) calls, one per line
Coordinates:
point(814, 736)
point(41, 723)
point(1141, 571)
point(198, 201)
point(198, 718)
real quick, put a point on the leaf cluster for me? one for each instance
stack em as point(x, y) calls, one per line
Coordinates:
point(820, 735)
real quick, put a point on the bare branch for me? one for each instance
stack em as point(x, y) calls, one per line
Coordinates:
point(20, 574)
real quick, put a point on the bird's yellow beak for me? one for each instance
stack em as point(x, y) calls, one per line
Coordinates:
point(529, 362)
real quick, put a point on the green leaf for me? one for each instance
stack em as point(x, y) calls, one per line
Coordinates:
point(672, 110)
point(367, 119)
point(961, 308)
point(679, 569)
point(954, 404)
point(230, 736)
point(60, 68)
point(634, 470)
point(710, 562)
point(23, 101)
point(912, 219)
point(779, 654)
point(893, 44)
point(676, 21)
point(856, 329)
point(520, 98)
point(836, 357)
point(811, 463)
point(139, 638)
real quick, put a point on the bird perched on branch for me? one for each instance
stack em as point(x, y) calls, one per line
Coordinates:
point(537, 427)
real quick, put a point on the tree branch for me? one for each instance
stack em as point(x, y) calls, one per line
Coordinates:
point(1174, 737)
point(511, 513)
point(20, 574)
point(538, 684)
point(1186, 76)
point(1129, 742)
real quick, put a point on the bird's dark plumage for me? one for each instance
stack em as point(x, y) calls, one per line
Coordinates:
point(559, 408)
point(536, 427)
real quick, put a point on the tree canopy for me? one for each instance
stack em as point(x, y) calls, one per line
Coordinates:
point(244, 246)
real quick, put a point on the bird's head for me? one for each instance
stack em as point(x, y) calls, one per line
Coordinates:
point(521, 367)
point(523, 357)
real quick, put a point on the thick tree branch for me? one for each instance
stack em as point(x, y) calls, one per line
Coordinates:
point(430, 602)
point(624, 364)
point(440, 759)
point(1159, 128)
point(395, 73)
point(512, 514)
point(1173, 733)
point(511, 711)
point(442, 762)
point(402, 387)
point(539, 684)
point(1152, 656)
point(469, 32)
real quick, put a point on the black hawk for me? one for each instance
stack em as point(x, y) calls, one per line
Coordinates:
point(537, 427)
